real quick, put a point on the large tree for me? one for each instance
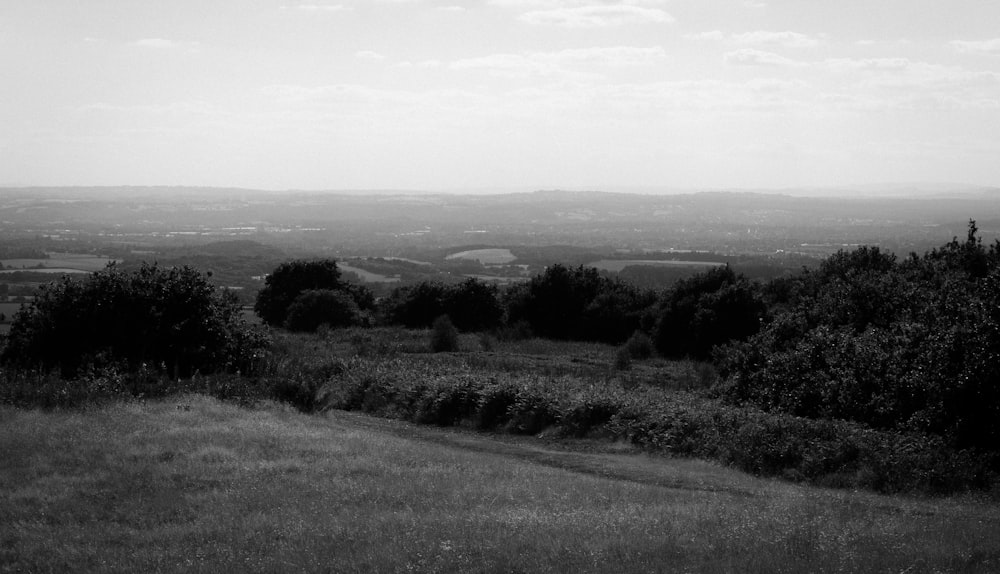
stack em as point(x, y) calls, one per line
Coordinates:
point(293, 279)
point(288, 281)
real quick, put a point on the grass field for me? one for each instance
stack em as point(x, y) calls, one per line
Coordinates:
point(192, 484)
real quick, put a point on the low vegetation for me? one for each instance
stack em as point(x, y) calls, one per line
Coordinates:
point(193, 484)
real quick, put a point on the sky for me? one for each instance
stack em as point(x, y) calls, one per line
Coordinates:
point(499, 94)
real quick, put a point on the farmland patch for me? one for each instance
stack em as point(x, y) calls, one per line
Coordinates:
point(486, 256)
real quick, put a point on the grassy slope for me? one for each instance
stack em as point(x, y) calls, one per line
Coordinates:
point(192, 484)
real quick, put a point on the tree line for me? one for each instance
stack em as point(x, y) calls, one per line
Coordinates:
point(904, 344)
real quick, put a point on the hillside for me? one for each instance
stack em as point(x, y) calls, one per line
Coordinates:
point(194, 484)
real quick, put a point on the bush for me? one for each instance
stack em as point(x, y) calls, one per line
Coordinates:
point(444, 335)
point(823, 452)
point(623, 359)
point(172, 319)
point(908, 346)
point(639, 346)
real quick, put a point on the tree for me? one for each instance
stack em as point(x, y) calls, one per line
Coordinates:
point(290, 279)
point(707, 310)
point(169, 318)
point(316, 307)
point(579, 304)
point(472, 305)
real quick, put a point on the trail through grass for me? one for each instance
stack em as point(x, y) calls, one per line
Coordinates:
point(192, 484)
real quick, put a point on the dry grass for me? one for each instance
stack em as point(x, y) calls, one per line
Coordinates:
point(192, 484)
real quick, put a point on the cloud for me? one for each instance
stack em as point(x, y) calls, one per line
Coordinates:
point(167, 45)
point(786, 39)
point(369, 55)
point(714, 35)
point(752, 57)
point(578, 63)
point(870, 64)
point(597, 16)
point(991, 47)
point(317, 8)
point(156, 43)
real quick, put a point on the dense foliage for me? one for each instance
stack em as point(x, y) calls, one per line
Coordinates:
point(580, 304)
point(171, 319)
point(315, 307)
point(910, 345)
point(304, 278)
point(709, 309)
point(472, 305)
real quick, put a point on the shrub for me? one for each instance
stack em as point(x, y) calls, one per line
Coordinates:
point(169, 318)
point(909, 346)
point(444, 335)
point(623, 359)
point(830, 453)
point(639, 346)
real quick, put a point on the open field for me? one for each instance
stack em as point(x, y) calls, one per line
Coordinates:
point(51, 270)
point(617, 265)
point(368, 276)
point(192, 484)
point(486, 256)
point(61, 261)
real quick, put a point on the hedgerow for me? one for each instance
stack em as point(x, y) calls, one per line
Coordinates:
point(824, 452)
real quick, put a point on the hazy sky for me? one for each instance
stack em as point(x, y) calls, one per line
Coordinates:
point(426, 94)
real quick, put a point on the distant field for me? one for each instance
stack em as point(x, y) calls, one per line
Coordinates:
point(192, 484)
point(61, 262)
point(9, 309)
point(486, 256)
point(368, 276)
point(51, 270)
point(617, 265)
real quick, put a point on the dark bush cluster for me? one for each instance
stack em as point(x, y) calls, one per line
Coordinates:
point(707, 310)
point(172, 320)
point(910, 345)
point(472, 305)
point(579, 304)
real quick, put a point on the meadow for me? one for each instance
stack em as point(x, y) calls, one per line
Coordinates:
point(190, 483)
